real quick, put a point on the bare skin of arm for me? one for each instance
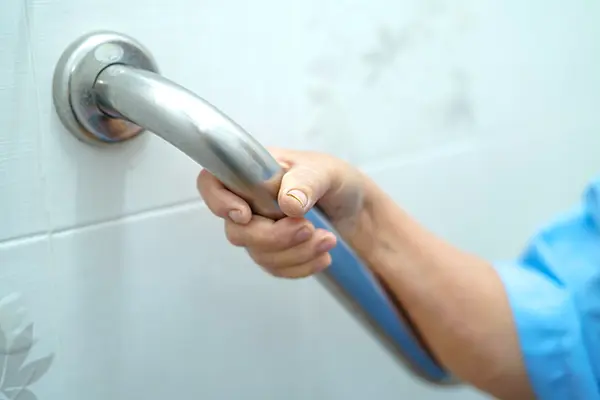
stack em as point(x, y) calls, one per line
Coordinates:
point(456, 300)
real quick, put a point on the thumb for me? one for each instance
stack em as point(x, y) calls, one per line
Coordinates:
point(301, 187)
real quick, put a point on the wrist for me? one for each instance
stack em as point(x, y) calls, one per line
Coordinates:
point(381, 228)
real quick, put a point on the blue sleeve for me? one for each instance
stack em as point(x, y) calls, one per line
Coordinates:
point(554, 292)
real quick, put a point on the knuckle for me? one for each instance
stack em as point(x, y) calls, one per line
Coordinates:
point(309, 252)
point(261, 259)
point(298, 272)
point(234, 235)
point(277, 273)
point(273, 271)
point(272, 265)
point(269, 237)
point(202, 180)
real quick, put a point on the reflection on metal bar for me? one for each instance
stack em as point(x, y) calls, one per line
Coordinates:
point(107, 89)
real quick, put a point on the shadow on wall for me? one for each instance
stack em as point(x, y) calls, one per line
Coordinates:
point(389, 78)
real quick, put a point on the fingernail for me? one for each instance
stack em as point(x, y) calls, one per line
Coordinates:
point(299, 196)
point(303, 234)
point(325, 244)
point(236, 216)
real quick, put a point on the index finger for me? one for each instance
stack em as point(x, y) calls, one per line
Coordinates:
point(221, 201)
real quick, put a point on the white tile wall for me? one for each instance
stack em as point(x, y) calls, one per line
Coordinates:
point(502, 191)
point(146, 314)
point(21, 184)
point(479, 117)
point(149, 310)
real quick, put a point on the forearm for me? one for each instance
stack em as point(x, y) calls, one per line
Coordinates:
point(457, 301)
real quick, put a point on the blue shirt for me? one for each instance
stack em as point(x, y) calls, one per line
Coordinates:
point(554, 292)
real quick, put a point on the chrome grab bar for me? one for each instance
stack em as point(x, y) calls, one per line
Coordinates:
point(107, 89)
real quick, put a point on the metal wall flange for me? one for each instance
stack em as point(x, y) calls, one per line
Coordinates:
point(73, 83)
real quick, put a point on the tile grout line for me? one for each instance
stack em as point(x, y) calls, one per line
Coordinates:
point(154, 211)
point(455, 149)
point(40, 143)
point(131, 217)
point(176, 206)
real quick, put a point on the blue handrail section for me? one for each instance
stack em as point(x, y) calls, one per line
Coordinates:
point(358, 282)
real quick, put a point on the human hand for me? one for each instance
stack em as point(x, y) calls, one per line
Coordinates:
point(291, 247)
